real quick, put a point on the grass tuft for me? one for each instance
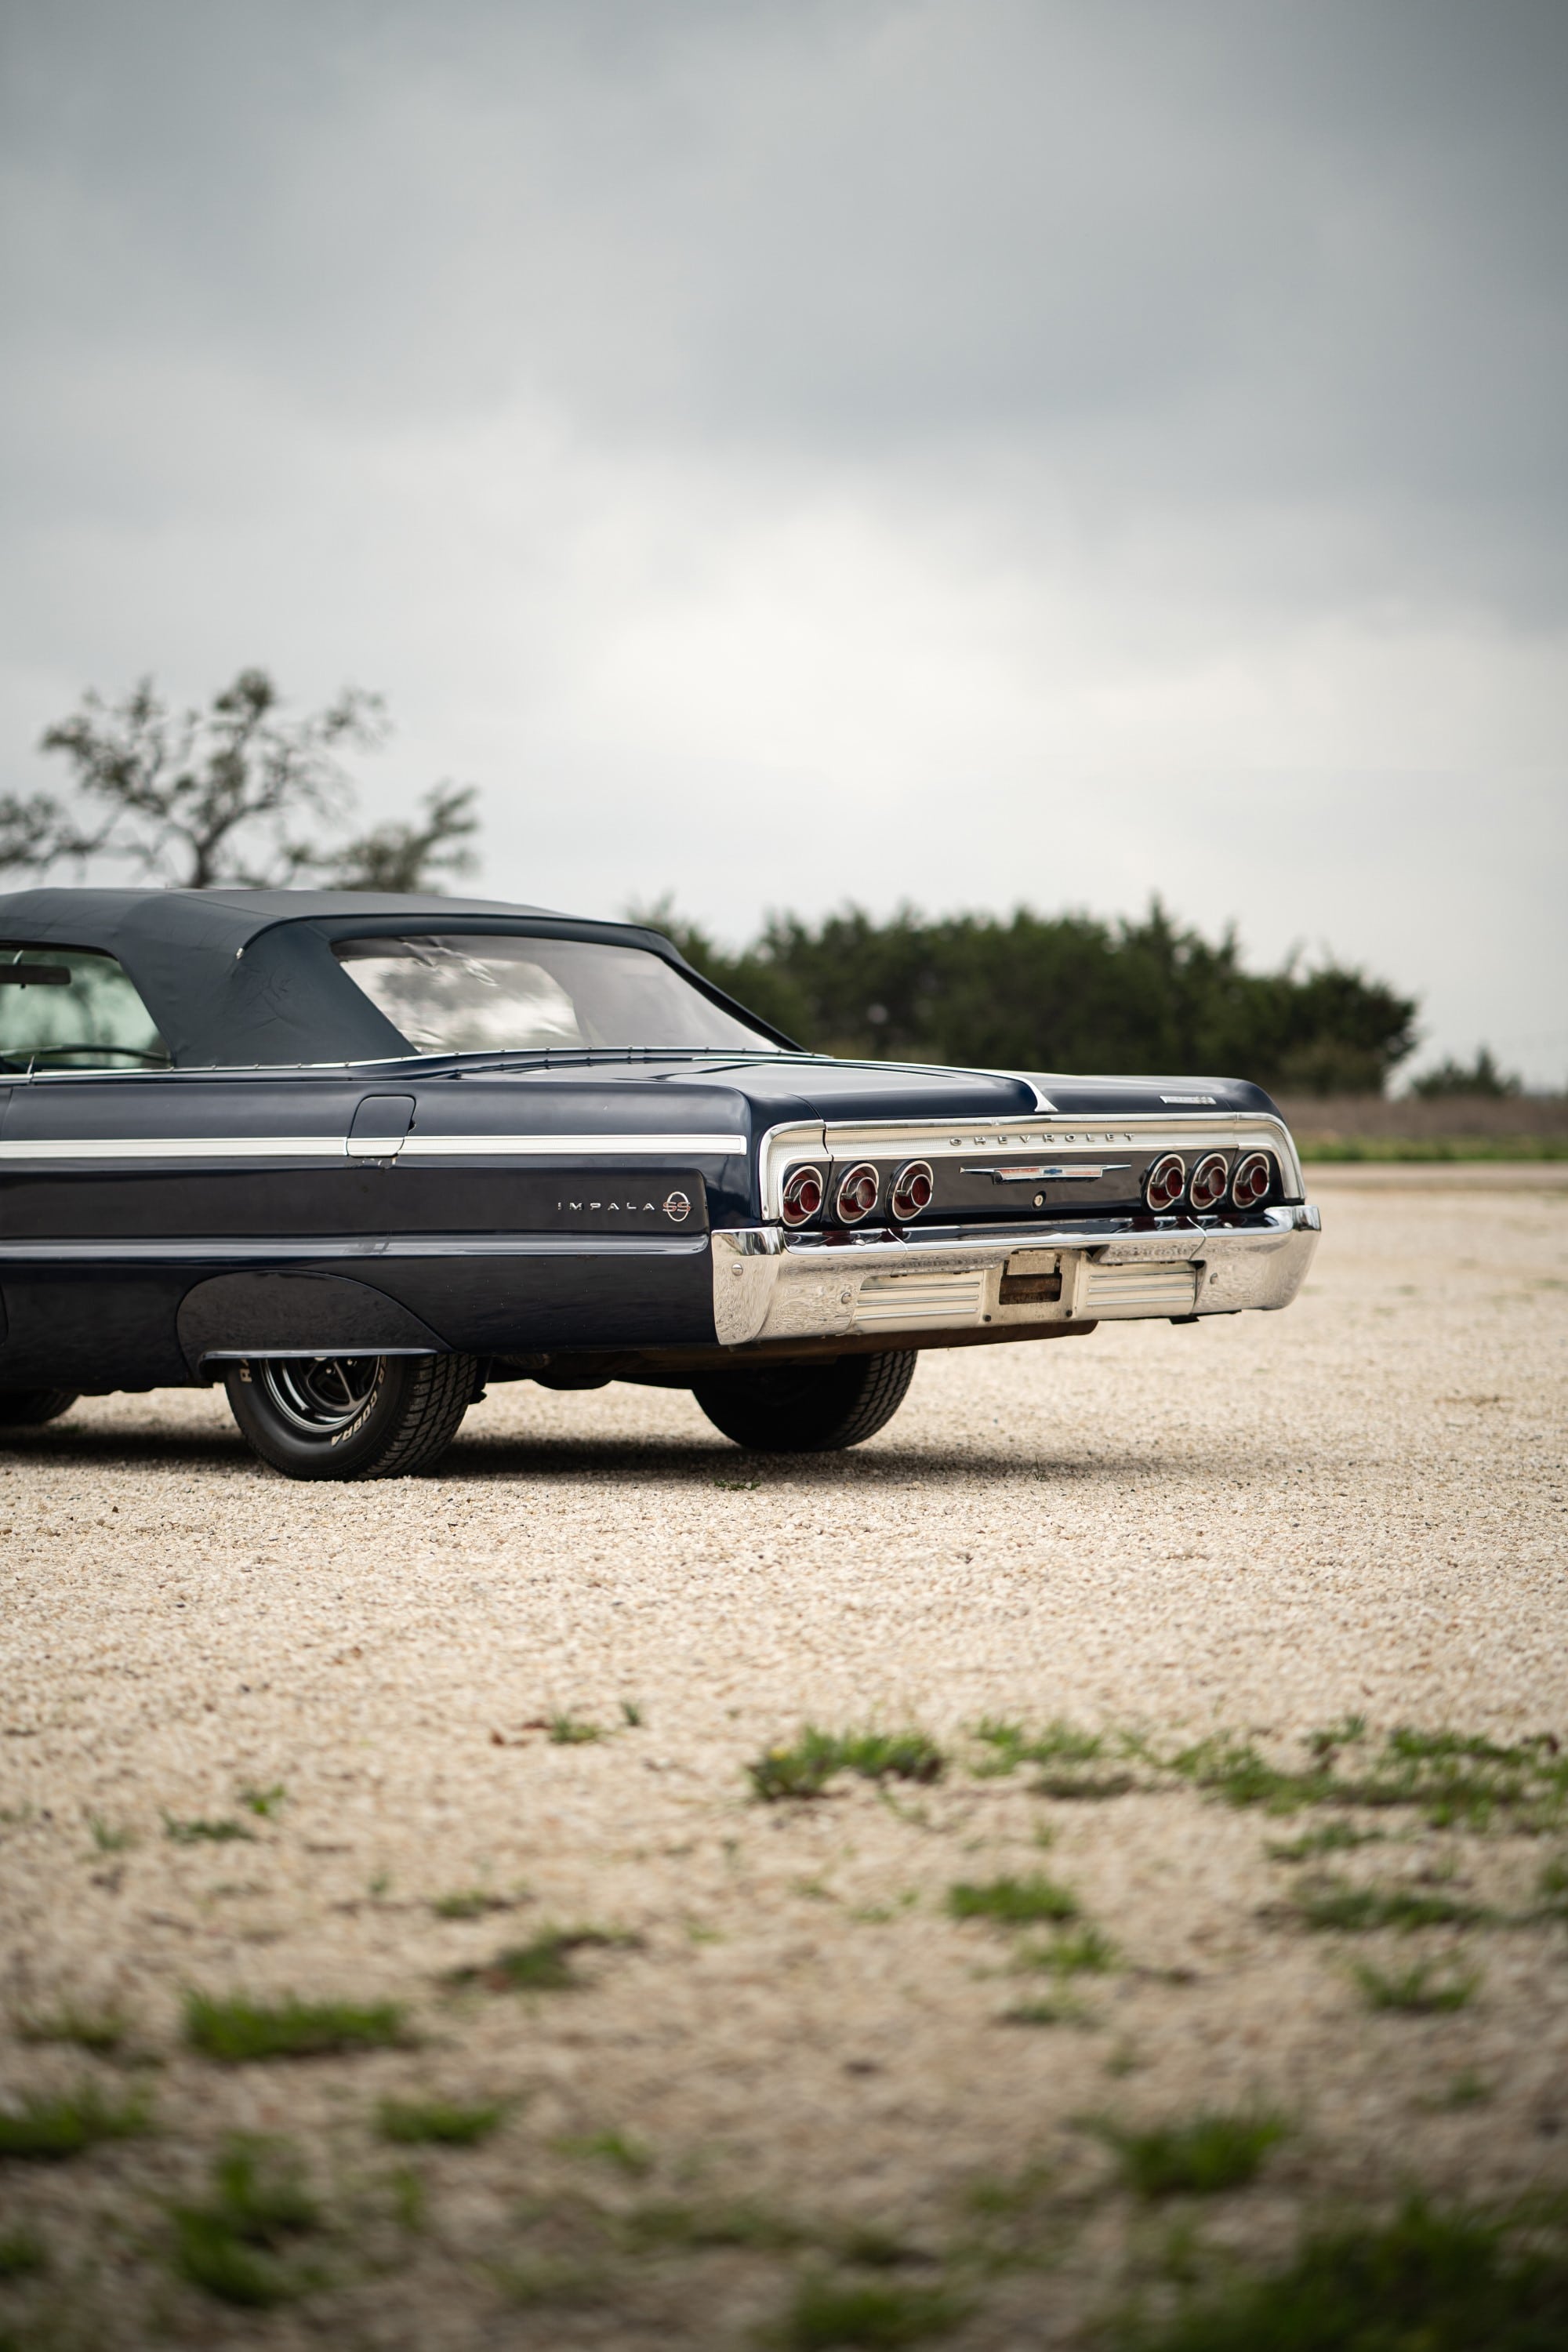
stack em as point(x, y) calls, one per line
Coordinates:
point(237, 2030)
point(1333, 1837)
point(439, 2123)
point(667, 2227)
point(23, 2254)
point(229, 2246)
point(47, 2129)
point(543, 1965)
point(619, 2148)
point(106, 1838)
point(1063, 1754)
point(632, 1715)
point(1334, 1905)
point(1213, 2152)
point(1078, 1952)
point(1424, 1990)
point(472, 1902)
point(1013, 1902)
point(221, 1833)
point(265, 1803)
point(566, 1731)
point(873, 2317)
point(805, 1769)
point(1445, 2281)
point(1062, 2009)
point(102, 2032)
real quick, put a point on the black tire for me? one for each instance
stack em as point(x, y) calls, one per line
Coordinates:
point(30, 1408)
point(808, 1408)
point(350, 1416)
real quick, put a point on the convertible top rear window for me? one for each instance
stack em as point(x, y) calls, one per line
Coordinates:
point(455, 992)
point(73, 1009)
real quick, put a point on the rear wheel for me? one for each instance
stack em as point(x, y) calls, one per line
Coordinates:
point(808, 1408)
point(350, 1416)
point(30, 1408)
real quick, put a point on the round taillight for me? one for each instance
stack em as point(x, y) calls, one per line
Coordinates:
point(1253, 1180)
point(857, 1194)
point(1209, 1179)
point(801, 1195)
point(913, 1189)
point(1165, 1183)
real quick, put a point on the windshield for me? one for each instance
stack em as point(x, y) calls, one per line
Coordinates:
point(473, 993)
point(73, 1009)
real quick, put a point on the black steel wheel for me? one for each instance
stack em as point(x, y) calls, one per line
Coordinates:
point(350, 1416)
point(808, 1408)
point(30, 1408)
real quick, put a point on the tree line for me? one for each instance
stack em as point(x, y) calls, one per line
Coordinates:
point(1068, 991)
point(240, 793)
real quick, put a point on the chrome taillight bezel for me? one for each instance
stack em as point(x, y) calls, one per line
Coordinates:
point(1169, 1166)
point(911, 1176)
point(1209, 1181)
point(793, 1209)
point(1252, 1180)
point(848, 1210)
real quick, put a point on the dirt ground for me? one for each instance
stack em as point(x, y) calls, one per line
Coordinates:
point(798, 2075)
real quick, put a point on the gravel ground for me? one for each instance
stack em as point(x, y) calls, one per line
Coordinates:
point(1260, 1524)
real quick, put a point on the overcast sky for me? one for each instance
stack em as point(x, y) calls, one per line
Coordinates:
point(787, 451)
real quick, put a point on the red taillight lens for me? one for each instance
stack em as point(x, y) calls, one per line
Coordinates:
point(913, 1189)
point(1165, 1183)
point(857, 1194)
point(1253, 1180)
point(801, 1195)
point(1209, 1179)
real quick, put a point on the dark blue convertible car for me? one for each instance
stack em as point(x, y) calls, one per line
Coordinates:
point(356, 1156)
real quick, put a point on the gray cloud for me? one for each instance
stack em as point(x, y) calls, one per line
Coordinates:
point(1006, 436)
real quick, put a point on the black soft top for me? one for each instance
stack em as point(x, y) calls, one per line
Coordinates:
point(240, 979)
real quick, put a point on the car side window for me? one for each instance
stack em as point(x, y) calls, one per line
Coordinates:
point(73, 1009)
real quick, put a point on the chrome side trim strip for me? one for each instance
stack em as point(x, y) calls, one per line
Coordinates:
point(65, 1149)
point(287, 1251)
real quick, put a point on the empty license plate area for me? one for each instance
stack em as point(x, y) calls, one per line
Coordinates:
point(1031, 1279)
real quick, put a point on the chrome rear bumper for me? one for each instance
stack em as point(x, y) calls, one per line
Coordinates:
point(768, 1286)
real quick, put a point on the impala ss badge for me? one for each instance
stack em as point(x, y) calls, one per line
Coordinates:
point(677, 1208)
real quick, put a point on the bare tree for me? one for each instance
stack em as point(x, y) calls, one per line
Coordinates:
point(236, 793)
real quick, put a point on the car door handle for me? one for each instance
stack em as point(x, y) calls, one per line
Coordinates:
point(380, 1127)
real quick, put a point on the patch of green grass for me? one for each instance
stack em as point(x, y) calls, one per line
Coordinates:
point(101, 2031)
point(1213, 2152)
point(265, 1803)
point(1468, 2089)
point(1456, 1780)
point(1553, 1888)
point(1429, 2279)
point(568, 1732)
point(107, 1838)
point(659, 2227)
point(1063, 1754)
point(1422, 1990)
point(46, 2128)
point(1333, 1837)
point(23, 2254)
point(1013, 1902)
point(221, 1833)
point(472, 1902)
point(1061, 2008)
point(229, 2245)
point(632, 1715)
point(805, 1769)
point(1080, 1951)
point(872, 2317)
point(239, 2031)
point(543, 1965)
point(1334, 1905)
point(617, 2148)
point(440, 2122)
